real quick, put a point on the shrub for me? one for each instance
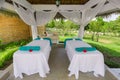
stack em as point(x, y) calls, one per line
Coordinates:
point(2, 60)
point(8, 50)
point(112, 64)
point(0, 41)
point(7, 55)
point(1, 46)
point(108, 52)
point(66, 34)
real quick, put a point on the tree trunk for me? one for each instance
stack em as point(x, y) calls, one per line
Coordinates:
point(93, 36)
point(97, 36)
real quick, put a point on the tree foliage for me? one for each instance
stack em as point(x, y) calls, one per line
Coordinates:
point(64, 26)
point(99, 26)
point(96, 27)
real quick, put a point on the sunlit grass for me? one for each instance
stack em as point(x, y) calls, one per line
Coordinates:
point(107, 45)
point(7, 50)
point(108, 49)
point(111, 45)
point(6, 55)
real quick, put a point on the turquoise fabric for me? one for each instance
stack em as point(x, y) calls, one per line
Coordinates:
point(37, 38)
point(45, 39)
point(27, 48)
point(70, 39)
point(80, 49)
point(49, 40)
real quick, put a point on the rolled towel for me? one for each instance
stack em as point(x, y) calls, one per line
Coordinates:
point(29, 48)
point(70, 39)
point(85, 49)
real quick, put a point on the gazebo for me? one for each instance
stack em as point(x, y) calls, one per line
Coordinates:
point(36, 13)
point(39, 12)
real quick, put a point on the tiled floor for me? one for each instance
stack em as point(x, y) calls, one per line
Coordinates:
point(59, 63)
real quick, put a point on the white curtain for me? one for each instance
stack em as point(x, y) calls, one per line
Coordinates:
point(25, 4)
point(34, 31)
point(2, 3)
point(88, 15)
point(81, 16)
point(43, 17)
point(74, 16)
point(115, 3)
point(85, 15)
point(107, 7)
point(90, 3)
point(26, 15)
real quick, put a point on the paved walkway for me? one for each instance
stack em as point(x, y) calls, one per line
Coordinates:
point(59, 63)
point(115, 72)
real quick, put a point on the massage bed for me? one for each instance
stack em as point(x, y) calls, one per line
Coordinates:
point(30, 61)
point(84, 61)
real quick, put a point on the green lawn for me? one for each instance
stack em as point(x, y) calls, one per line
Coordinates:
point(7, 50)
point(62, 38)
point(111, 49)
point(6, 56)
point(109, 46)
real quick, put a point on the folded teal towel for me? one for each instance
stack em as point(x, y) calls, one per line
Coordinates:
point(27, 48)
point(80, 49)
point(70, 39)
point(49, 40)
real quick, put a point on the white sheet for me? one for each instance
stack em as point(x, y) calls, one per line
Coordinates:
point(85, 62)
point(32, 62)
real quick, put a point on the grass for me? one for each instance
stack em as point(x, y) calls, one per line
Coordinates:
point(108, 45)
point(6, 56)
point(7, 51)
point(108, 50)
point(112, 64)
point(62, 38)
